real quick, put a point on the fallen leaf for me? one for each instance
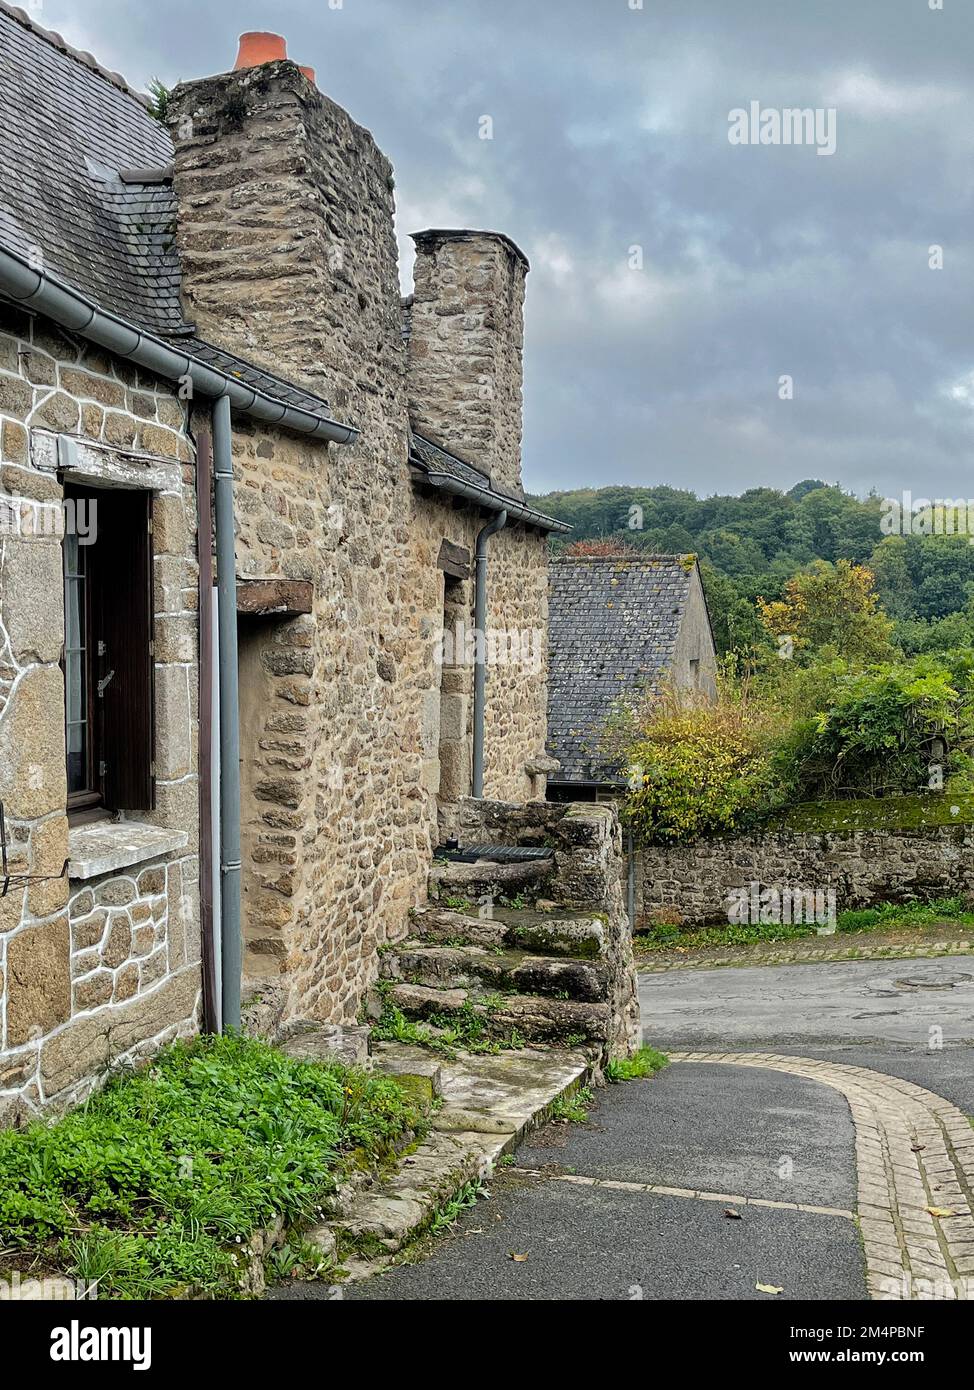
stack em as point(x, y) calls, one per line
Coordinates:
point(518, 1259)
point(732, 1214)
point(768, 1288)
point(918, 1148)
point(941, 1211)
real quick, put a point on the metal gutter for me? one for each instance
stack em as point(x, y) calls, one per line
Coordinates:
point(480, 667)
point(493, 501)
point(226, 580)
point(73, 310)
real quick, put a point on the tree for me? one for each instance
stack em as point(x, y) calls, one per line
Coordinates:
point(833, 607)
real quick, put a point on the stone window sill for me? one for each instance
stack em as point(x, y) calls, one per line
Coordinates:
point(104, 846)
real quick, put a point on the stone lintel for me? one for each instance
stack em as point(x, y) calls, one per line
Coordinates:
point(104, 846)
point(454, 560)
point(275, 598)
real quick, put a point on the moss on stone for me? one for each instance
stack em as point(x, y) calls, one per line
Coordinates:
point(880, 813)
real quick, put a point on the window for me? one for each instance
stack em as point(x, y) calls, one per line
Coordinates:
point(108, 657)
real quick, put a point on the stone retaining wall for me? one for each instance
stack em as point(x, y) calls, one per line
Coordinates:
point(693, 884)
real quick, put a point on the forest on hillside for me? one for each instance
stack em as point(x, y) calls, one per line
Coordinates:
point(750, 545)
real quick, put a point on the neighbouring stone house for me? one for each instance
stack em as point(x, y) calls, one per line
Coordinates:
point(242, 252)
point(620, 627)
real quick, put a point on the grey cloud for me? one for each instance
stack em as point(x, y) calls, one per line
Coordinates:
point(610, 129)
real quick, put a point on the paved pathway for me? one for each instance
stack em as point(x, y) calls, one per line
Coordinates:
point(755, 1169)
point(915, 1163)
point(632, 1205)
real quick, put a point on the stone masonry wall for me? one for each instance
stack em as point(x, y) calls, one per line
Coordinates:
point(90, 972)
point(691, 883)
point(465, 348)
point(340, 772)
point(286, 235)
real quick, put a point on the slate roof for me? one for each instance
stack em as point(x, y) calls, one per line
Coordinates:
point(429, 458)
point(613, 626)
point(86, 184)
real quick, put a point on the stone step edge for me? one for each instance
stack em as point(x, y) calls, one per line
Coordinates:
point(580, 1011)
point(511, 934)
point(476, 1163)
point(480, 964)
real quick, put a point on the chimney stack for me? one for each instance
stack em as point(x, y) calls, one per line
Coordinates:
point(285, 230)
point(258, 46)
point(465, 347)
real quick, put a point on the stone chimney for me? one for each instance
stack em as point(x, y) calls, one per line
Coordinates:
point(285, 230)
point(465, 344)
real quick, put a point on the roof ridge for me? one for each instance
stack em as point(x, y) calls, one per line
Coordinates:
point(625, 558)
point(80, 55)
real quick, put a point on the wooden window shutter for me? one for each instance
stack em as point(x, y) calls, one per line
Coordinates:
point(125, 657)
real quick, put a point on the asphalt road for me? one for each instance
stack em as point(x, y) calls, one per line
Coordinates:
point(912, 1018)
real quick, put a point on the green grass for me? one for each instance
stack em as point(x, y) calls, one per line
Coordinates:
point(892, 916)
point(150, 1187)
point(885, 917)
point(646, 1062)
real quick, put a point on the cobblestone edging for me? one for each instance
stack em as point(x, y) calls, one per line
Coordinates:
point(915, 1165)
point(795, 954)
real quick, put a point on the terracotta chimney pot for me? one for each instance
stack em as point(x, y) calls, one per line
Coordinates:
point(258, 47)
point(309, 73)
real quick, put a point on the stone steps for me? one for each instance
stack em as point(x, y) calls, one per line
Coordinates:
point(517, 972)
point(558, 932)
point(490, 879)
point(533, 1017)
point(488, 1104)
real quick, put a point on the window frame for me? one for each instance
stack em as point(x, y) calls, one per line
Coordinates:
point(91, 797)
point(119, 682)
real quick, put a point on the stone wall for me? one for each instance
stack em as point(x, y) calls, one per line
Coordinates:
point(692, 884)
point(81, 985)
point(289, 254)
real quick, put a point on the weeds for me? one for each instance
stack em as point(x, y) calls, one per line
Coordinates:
point(646, 1062)
point(450, 1212)
point(572, 1109)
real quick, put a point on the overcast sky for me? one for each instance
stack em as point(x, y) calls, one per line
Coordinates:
point(610, 132)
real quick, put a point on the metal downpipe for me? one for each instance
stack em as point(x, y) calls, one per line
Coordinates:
point(229, 717)
point(480, 663)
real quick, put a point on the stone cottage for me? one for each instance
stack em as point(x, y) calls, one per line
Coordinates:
point(237, 472)
point(619, 626)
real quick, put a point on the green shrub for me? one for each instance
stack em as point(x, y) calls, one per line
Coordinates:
point(700, 769)
point(869, 732)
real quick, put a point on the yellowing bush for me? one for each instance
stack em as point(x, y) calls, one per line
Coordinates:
point(701, 769)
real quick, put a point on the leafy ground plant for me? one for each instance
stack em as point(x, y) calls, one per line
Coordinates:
point(572, 1109)
point(447, 1216)
point(152, 1186)
point(646, 1062)
point(464, 1029)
